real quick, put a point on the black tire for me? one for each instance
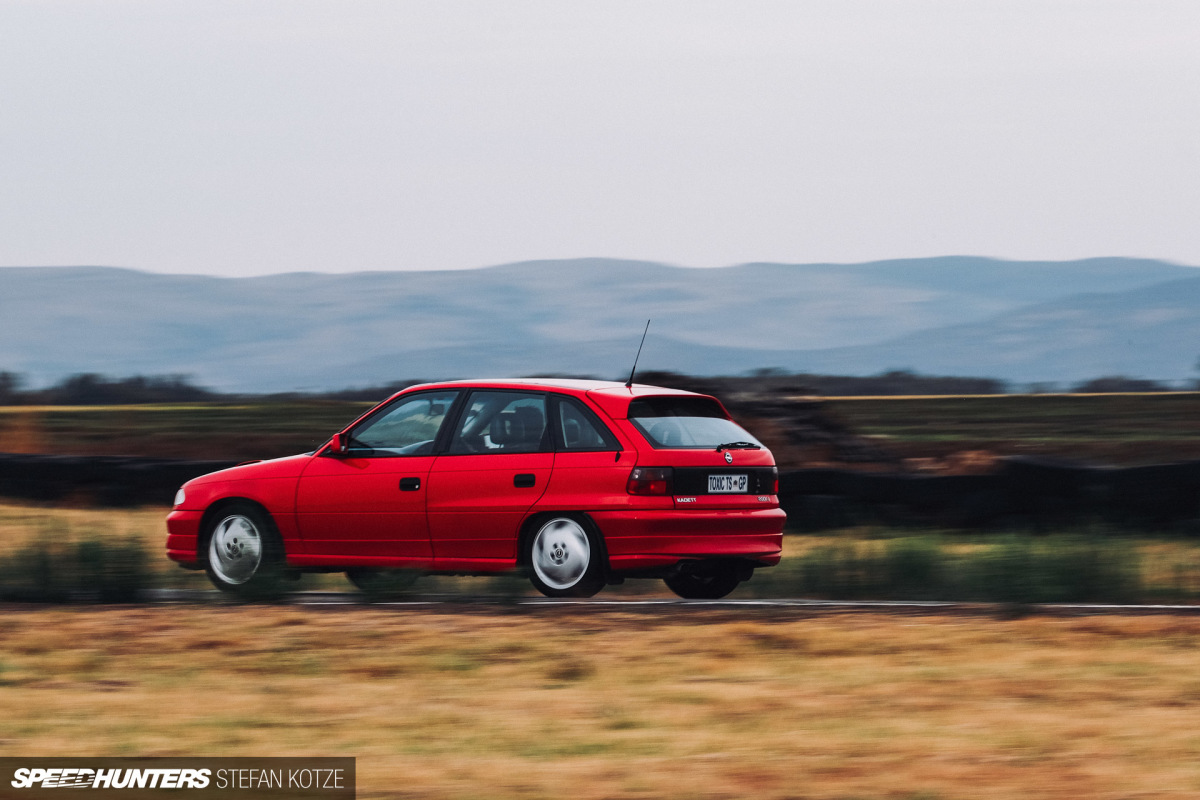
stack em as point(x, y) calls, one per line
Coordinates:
point(709, 581)
point(382, 583)
point(242, 551)
point(565, 557)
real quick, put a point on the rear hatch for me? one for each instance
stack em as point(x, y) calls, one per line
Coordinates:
point(707, 480)
point(715, 463)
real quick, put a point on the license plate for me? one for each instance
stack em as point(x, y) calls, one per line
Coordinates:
point(727, 484)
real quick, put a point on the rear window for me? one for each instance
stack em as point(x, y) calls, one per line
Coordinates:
point(685, 422)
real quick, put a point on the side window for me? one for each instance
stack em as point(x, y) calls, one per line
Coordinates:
point(580, 430)
point(407, 428)
point(502, 422)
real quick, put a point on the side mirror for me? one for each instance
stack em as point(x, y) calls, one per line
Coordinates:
point(339, 445)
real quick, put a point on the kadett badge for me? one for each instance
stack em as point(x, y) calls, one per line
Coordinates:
point(728, 457)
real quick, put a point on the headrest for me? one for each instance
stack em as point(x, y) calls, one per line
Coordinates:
point(521, 426)
point(507, 428)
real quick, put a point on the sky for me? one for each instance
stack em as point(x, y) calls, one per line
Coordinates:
point(247, 138)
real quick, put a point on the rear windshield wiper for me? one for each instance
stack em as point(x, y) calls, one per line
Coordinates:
point(738, 446)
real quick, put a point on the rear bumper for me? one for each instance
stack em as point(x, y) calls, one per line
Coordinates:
point(183, 533)
point(639, 540)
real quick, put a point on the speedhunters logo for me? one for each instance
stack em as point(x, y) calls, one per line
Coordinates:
point(312, 778)
point(73, 778)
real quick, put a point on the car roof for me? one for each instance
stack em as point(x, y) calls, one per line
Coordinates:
point(571, 385)
point(612, 396)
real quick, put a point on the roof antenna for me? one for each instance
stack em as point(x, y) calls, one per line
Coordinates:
point(629, 383)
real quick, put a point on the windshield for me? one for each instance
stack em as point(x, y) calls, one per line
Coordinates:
point(685, 422)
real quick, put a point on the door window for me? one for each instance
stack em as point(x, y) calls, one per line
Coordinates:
point(407, 428)
point(502, 422)
point(579, 430)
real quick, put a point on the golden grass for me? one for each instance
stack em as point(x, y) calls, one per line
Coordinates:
point(21, 523)
point(585, 703)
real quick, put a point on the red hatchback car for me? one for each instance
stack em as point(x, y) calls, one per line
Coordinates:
point(581, 483)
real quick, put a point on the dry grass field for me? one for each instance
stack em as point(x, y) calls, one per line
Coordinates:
point(232, 431)
point(1113, 429)
point(589, 703)
point(21, 523)
point(1121, 429)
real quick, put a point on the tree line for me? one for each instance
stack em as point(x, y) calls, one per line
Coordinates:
point(94, 389)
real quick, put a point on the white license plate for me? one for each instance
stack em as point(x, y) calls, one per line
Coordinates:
point(727, 484)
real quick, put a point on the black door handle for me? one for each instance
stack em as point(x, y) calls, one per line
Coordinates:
point(524, 480)
point(410, 484)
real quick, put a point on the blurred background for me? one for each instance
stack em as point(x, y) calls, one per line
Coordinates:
point(939, 257)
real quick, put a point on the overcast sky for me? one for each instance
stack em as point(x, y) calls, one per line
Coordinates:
point(258, 137)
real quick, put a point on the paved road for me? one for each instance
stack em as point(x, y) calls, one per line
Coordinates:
point(669, 604)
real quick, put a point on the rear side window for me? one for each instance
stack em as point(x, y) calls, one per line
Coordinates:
point(502, 422)
point(579, 430)
point(680, 422)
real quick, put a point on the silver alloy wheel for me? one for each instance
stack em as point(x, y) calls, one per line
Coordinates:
point(235, 549)
point(561, 553)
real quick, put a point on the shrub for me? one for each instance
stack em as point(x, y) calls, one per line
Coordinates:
point(90, 571)
point(112, 573)
point(1013, 569)
point(914, 567)
point(1063, 569)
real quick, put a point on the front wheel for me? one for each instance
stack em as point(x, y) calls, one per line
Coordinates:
point(242, 551)
point(707, 582)
point(564, 557)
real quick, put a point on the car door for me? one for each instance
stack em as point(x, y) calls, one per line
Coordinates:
point(591, 467)
point(496, 466)
point(370, 502)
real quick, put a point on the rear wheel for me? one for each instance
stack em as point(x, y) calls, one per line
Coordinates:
point(564, 558)
point(242, 551)
point(708, 581)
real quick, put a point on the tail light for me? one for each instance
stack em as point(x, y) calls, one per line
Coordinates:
point(774, 480)
point(651, 481)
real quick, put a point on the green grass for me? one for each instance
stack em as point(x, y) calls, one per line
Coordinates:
point(1010, 569)
point(859, 563)
point(51, 553)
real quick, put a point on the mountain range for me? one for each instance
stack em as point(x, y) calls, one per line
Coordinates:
point(1019, 321)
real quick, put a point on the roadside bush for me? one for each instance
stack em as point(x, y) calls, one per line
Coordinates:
point(1066, 569)
point(913, 565)
point(1014, 569)
point(838, 571)
point(34, 574)
point(112, 573)
point(89, 571)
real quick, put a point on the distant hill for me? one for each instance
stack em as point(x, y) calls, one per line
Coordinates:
point(1151, 332)
point(953, 315)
